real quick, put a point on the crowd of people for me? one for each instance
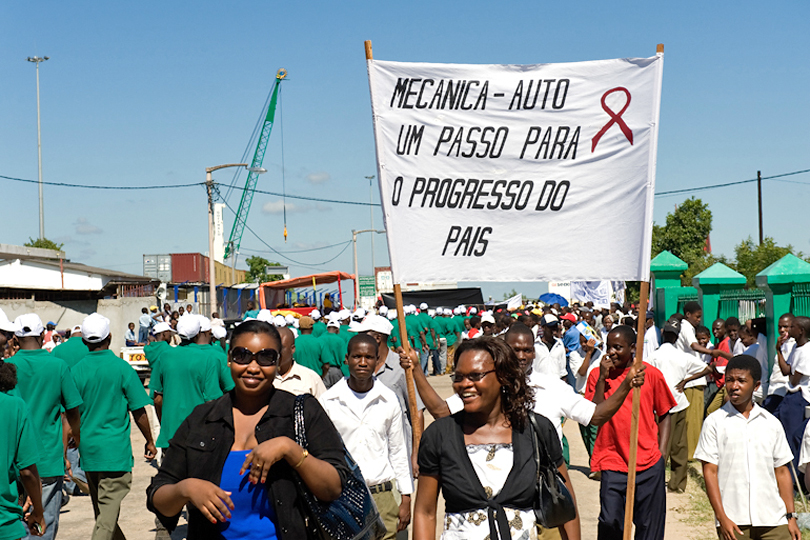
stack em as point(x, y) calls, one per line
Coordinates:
point(230, 449)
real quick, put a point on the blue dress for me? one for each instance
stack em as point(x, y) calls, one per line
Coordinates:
point(253, 516)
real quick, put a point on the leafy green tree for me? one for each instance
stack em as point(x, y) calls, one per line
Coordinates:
point(752, 259)
point(685, 234)
point(43, 243)
point(507, 296)
point(257, 270)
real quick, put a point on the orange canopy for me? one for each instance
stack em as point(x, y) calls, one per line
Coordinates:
point(306, 281)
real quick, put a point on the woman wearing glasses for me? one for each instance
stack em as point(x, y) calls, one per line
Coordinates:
point(482, 458)
point(234, 460)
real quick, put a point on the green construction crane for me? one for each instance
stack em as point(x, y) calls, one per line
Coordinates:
point(235, 241)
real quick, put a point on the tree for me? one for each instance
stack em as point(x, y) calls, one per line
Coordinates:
point(257, 270)
point(753, 259)
point(43, 243)
point(507, 296)
point(685, 234)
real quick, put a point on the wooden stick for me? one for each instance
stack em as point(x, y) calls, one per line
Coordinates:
point(369, 56)
point(631, 466)
point(406, 346)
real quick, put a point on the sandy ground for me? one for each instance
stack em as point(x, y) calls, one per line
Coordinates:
point(137, 523)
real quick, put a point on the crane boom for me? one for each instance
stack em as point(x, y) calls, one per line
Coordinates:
point(235, 240)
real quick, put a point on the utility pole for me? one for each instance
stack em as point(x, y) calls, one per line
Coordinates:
point(356, 276)
point(371, 213)
point(37, 60)
point(759, 197)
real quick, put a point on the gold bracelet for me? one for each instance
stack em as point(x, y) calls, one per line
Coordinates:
point(303, 457)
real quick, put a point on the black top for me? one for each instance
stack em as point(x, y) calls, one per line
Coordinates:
point(203, 441)
point(442, 453)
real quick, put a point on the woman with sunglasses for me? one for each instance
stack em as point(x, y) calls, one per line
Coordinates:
point(234, 460)
point(482, 458)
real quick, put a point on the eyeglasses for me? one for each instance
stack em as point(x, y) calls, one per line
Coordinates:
point(265, 357)
point(473, 376)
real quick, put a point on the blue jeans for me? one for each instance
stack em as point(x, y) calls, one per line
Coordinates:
point(51, 503)
point(143, 334)
point(440, 360)
point(73, 458)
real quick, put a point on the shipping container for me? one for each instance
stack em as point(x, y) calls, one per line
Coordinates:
point(189, 267)
point(158, 267)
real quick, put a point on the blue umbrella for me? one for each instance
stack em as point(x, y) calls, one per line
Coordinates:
point(553, 298)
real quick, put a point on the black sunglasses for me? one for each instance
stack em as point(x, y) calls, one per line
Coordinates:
point(265, 357)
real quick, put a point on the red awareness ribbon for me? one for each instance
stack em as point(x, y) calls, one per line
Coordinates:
point(614, 117)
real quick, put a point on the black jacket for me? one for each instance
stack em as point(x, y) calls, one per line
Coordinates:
point(201, 445)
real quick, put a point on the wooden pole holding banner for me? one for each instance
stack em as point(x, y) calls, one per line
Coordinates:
point(403, 333)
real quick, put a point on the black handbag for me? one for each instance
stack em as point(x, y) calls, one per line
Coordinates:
point(353, 515)
point(553, 504)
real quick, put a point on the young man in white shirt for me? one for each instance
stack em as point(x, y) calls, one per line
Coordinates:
point(745, 457)
point(778, 384)
point(791, 411)
point(678, 367)
point(292, 376)
point(368, 416)
point(753, 348)
point(550, 357)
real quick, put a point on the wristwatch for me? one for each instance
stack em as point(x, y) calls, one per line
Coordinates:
point(792, 515)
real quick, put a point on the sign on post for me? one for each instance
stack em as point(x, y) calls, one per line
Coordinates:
point(539, 172)
point(367, 286)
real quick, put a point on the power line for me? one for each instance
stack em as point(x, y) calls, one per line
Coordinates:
point(715, 186)
point(298, 250)
point(86, 186)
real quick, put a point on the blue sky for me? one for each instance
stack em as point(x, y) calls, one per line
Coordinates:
point(153, 92)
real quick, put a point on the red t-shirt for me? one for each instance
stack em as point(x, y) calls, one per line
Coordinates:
point(720, 378)
point(611, 452)
point(473, 332)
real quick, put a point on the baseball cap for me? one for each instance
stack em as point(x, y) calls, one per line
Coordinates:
point(5, 324)
point(279, 321)
point(423, 306)
point(218, 332)
point(305, 322)
point(391, 315)
point(152, 308)
point(487, 318)
point(188, 326)
point(359, 314)
point(289, 319)
point(374, 323)
point(344, 314)
point(549, 320)
point(28, 325)
point(265, 315)
point(383, 310)
point(569, 317)
point(333, 323)
point(473, 311)
point(95, 328)
point(77, 328)
point(315, 314)
point(205, 323)
point(650, 314)
point(672, 326)
point(160, 327)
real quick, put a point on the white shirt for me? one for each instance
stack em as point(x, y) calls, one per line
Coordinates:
point(575, 360)
point(650, 342)
point(759, 353)
point(778, 385)
point(371, 427)
point(738, 347)
point(746, 452)
point(804, 453)
point(300, 380)
point(800, 362)
point(706, 359)
point(551, 362)
point(676, 365)
point(686, 338)
point(556, 400)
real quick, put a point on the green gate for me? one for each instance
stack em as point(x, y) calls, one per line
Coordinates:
point(683, 299)
point(800, 300)
point(742, 303)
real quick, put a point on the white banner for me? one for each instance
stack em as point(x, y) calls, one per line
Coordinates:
point(517, 172)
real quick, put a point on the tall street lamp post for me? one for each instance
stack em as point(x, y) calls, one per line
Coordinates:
point(37, 60)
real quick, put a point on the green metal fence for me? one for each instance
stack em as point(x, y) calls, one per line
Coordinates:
point(742, 303)
point(800, 300)
point(683, 299)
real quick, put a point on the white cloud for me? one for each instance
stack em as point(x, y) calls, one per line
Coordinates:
point(85, 227)
point(277, 207)
point(318, 177)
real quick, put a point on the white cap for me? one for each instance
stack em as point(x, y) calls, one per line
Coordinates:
point(487, 318)
point(333, 316)
point(218, 332)
point(383, 310)
point(548, 319)
point(95, 328)
point(315, 314)
point(28, 325)
point(432, 312)
point(5, 324)
point(77, 328)
point(333, 323)
point(423, 306)
point(359, 313)
point(188, 326)
point(344, 314)
point(473, 311)
point(161, 327)
point(265, 315)
point(279, 321)
point(289, 319)
point(374, 323)
point(205, 323)
point(354, 325)
point(392, 315)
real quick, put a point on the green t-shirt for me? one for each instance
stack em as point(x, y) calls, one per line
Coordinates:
point(345, 334)
point(334, 351)
point(186, 377)
point(318, 329)
point(250, 314)
point(394, 340)
point(427, 325)
point(153, 350)
point(45, 384)
point(308, 352)
point(413, 326)
point(18, 450)
point(71, 351)
point(450, 330)
point(225, 378)
point(110, 389)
